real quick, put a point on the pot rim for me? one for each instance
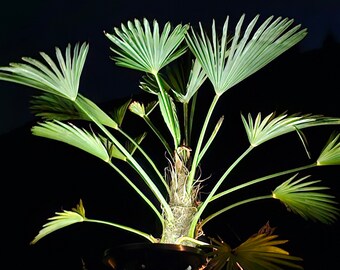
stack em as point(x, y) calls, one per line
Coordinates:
point(153, 246)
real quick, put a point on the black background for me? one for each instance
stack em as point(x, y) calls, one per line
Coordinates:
point(40, 176)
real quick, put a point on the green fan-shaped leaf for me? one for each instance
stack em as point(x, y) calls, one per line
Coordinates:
point(307, 200)
point(137, 108)
point(229, 59)
point(142, 47)
point(70, 134)
point(185, 83)
point(61, 220)
point(63, 80)
point(259, 252)
point(330, 154)
point(53, 107)
point(272, 126)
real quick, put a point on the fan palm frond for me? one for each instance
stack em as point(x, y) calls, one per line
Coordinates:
point(226, 65)
point(62, 81)
point(49, 107)
point(61, 220)
point(177, 80)
point(189, 86)
point(53, 107)
point(175, 75)
point(137, 108)
point(307, 200)
point(72, 135)
point(272, 126)
point(142, 48)
point(259, 252)
point(330, 154)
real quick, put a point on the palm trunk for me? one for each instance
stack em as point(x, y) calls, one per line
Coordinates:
point(182, 203)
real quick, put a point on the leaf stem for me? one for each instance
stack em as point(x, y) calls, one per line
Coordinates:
point(264, 178)
point(204, 221)
point(213, 191)
point(195, 161)
point(125, 228)
point(135, 164)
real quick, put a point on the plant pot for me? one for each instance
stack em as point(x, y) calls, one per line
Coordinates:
point(151, 256)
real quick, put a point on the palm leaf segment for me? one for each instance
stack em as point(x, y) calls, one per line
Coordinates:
point(145, 49)
point(330, 155)
point(260, 131)
point(228, 61)
point(185, 80)
point(61, 100)
point(307, 200)
point(72, 135)
point(53, 107)
point(62, 220)
point(261, 251)
point(182, 78)
point(62, 81)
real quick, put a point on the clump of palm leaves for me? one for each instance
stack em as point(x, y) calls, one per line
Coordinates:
point(176, 62)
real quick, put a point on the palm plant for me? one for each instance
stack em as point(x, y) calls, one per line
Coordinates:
point(176, 63)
